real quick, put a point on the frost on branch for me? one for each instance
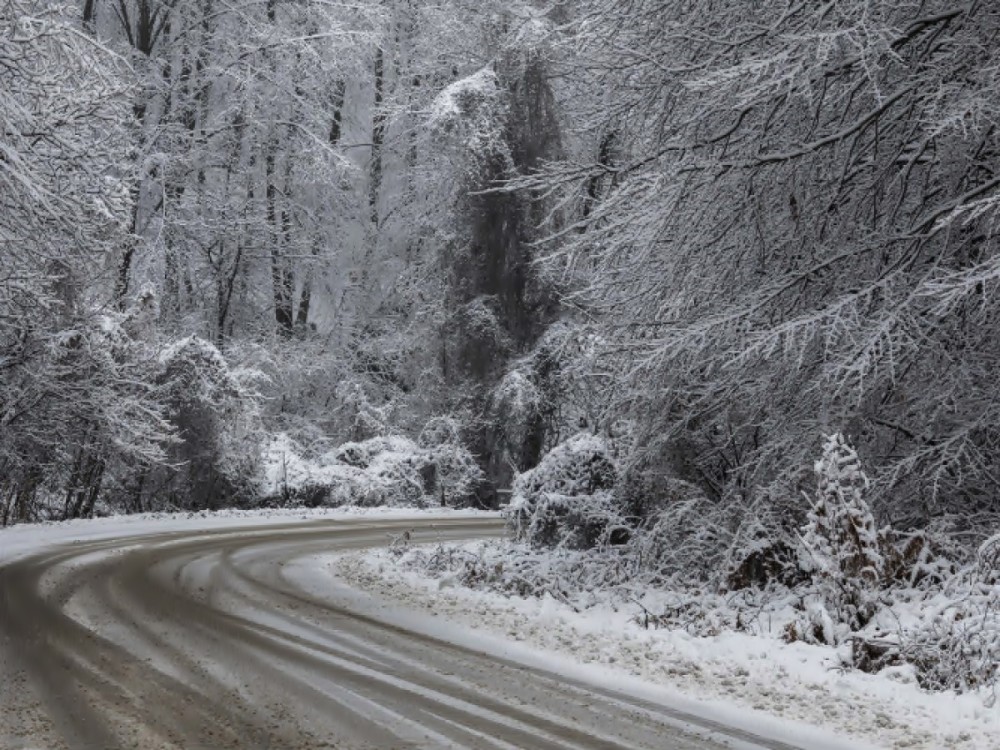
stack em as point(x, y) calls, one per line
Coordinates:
point(957, 644)
point(840, 535)
point(687, 538)
point(566, 500)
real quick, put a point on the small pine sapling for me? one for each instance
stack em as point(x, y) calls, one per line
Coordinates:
point(841, 537)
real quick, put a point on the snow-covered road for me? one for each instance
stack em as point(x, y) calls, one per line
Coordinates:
point(224, 638)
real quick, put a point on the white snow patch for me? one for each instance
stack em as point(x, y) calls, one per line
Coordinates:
point(460, 98)
point(285, 468)
point(758, 682)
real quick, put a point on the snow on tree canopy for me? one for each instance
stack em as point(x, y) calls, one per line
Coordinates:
point(534, 32)
point(473, 107)
point(517, 400)
point(466, 97)
point(193, 361)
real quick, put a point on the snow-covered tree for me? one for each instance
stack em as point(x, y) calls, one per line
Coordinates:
point(786, 217)
point(840, 535)
point(214, 411)
point(69, 400)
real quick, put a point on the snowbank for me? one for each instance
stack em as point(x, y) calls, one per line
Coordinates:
point(777, 683)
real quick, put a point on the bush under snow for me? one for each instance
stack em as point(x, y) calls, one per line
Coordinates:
point(566, 500)
point(384, 470)
point(841, 538)
point(896, 597)
point(956, 646)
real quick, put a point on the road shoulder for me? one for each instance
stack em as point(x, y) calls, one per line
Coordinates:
point(789, 691)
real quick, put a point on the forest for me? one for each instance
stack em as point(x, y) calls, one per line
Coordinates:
point(706, 286)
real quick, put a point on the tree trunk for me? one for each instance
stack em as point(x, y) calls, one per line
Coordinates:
point(281, 278)
point(378, 135)
point(89, 15)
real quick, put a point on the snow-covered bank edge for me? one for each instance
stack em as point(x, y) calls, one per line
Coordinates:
point(25, 539)
point(791, 692)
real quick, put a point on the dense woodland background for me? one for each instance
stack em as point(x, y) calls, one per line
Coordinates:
point(417, 246)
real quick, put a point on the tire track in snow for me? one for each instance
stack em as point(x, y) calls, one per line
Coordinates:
point(190, 641)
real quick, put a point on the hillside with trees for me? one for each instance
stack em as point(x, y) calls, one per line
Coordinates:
point(708, 287)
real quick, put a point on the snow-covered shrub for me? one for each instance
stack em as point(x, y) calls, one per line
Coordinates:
point(215, 410)
point(290, 475)
point(644, 491)
point(388, 470)
point(361, 454)
point(517, 404)
point(353, 454)
point(318, 393)
point(957, 645)
point(765, 550)
point(441, 469)
point(701, 613)
point(815, 626)
point(354, 474)
point(396, 475)
point(566, 500)
point(445, 473)
point(513, 569)
point(457, 473)
point(578, 466)
point(686, 540)
point(988, 561)
point(453, 469)
point(916, 559)
point(641, 492)
point(763, 562)
point(840, 536)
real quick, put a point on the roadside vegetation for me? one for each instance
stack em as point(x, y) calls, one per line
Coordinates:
point(920, 604)
point(707, 290)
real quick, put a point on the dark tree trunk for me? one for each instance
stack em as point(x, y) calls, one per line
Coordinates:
point(337, 104)
point(281, 278)
point(497, 271)
point(302, 316)
point(89, 15)
point(378, 135)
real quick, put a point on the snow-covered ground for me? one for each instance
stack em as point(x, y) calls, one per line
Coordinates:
point(755, 682)
point(752, 680)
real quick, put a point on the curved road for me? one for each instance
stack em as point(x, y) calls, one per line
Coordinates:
point(200, 640)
